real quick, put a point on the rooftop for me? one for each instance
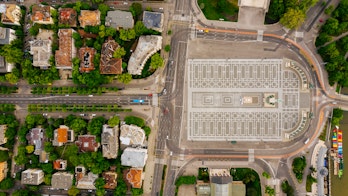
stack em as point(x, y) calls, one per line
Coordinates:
point(68, 16)
point(36, 137)
point(109, 141)
point(41, 14)
point(110, 179)
point(62, 135)
point(89, 18)
point(4, 66)
point(3, 170)
point(62, 180)
point(87, 143)
point(220, 176)
point(7, 35)
point(132, 135)
point(12, 14)
point(254, 3)
point(67, 50)
point(134, 157)
point(134, 177)
point(87, 181)
point(86, 56)
point(108, 64)
point(41, 49)
point(3, 138)
point(119, 19)
point(153, 20)
point(60, 164)
point(32, 176)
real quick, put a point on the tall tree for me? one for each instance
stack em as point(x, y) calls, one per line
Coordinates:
point(293, 18)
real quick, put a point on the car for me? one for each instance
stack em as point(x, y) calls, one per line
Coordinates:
point(164, 91)
point(93, 115)
point(221, 19)
point(67, 95)
point(200, 30)
point(44, 114)
point(83, 114)
point(90, 95)
point(161, 8)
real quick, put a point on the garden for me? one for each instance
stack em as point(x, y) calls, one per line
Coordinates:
point(220, 9)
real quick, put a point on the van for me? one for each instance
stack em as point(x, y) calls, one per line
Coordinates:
point(307, 140)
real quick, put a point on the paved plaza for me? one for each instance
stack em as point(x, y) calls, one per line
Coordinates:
point(245, 99)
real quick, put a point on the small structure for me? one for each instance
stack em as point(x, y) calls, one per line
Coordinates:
point(41, 14)
point(87, 143)
point(80, 171)
point(220, 182)
point(108, 64)
point(7, 35)
point(202, 188)
point(67, 50)
point(87, 181)
point(68, 16)
point(5, 67)
point(62, 180)
point(86, 56)
point(3, 138)
point(60, 164)
point(263, 4)
point(3, 170)
point(132, 135)
point(11, 15)
point(36, 137)
point(41, 49)
point(32, 176)
point(44, 156)
point(109, 142)
point(62, 135)
point(110, 179)
point(147, 46)
point(134, 157)
point(135, 177)
point(153, 20)
point(119, 19)
point(89, 18)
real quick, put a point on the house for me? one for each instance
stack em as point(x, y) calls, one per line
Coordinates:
point(3, 170)
point(62, 180)
point(32, 176)
point(134, 157)
point(119, 19)
point(132, 135)
point(135, 177)
point(7, 35)
point(153, 20)
point(36, 137)
point(87, 181)
point(11, 14)
point(60, 164)
point(41, 14)
point(44, 156)
point(86, 56)
point(62, 135)
point(108, 64)
point(109, 142)
point(5, 67)
point(41, 49)
point(202, 188)
point(3, 138)
point(80, 171)
point(110, 178)
point(87, 143)
point(89, 18)
point(147, 46)
point(67, 50)
point(68, 16)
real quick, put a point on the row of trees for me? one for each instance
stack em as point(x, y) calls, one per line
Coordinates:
point(80, 90)
point(5, 107)
point(8, 89)
point(74, 108)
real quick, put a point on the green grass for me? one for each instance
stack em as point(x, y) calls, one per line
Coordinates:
point(212, 12)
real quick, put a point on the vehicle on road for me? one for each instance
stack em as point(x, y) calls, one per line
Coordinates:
point(138, 101)
point(90, 95)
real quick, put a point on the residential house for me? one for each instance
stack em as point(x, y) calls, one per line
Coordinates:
point(60, 164)
point(44, 156)
point(109, 141)
point(67, 50)
point(11, 15)
point(41, 49)
point(62, 180)
point(89, 18)
point(5, 67)
point(62, 135)
point(41, 14)
point(147, 46)
point(32, 177)
point(86, 56)
point(36, 137)
point(108, 64)
point(87, 181)
point(135, 177)
point(7, 35)
point(134, 157)
point(80, 171)
point(119, 19)
point(110, 178)
point(132, 135)
point(68, 16)
point(87, 143)
point(153, 20)
point(3, 138)
point(3, 170)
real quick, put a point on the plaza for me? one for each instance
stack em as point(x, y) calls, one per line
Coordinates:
point(246, 99)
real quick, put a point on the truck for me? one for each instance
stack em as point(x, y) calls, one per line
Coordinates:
point(138, 101)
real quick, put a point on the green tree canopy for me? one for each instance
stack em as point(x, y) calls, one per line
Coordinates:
point(133, 120)
point(30, 149)
point(136, 9)
point(293, 18)
point(73, 191)
point(156, 61)
point(119, 52)
point(95, 126)
point(78, 125)
point(125, 78)
point(139, 28)
point(114, 121)
point(7, 183)
point(4, 155)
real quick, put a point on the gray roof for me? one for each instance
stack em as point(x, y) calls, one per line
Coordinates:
point(32, 176)
point(153, 20)
point(134, 157)
point(5, 37)
point(220, 179)
point(62, 180)
point(119, 19)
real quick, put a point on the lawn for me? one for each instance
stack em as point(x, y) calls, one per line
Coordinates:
point(226, 9)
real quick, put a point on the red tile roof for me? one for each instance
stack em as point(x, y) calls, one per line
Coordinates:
point(108, 64)
point(110, 179)
point(86, 56)
point(65, 54)
point(87, 143)
point(134, 177)
point(68, 16)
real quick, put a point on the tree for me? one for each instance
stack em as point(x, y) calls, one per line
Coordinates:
point(95, 126)
point(7, 183)
point(185, 180)
point(119, 52)
point(73, 191)
point(133, 120)
point(136, 9)
point(34, 30)
point(156, 61)
point(47, 168)
point(221, 4)
point(30, 149)
point(12, 77)
point(123, 35)
point(293, 18)
point(3, 155)
point(331, 26)
point(137, 192)
point(125, 78)
point(3, 194)
point(114, 121)
point(167, 48)
point(109, 31)
point(139, 28)
point(130, 34)
point(21, 192)
point(270, 191)
point(11, 53)
point(78, 125)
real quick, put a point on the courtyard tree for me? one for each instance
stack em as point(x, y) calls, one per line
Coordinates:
point(156, 61)
point(293, 18)
point(114, 121)
point(125, 78)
